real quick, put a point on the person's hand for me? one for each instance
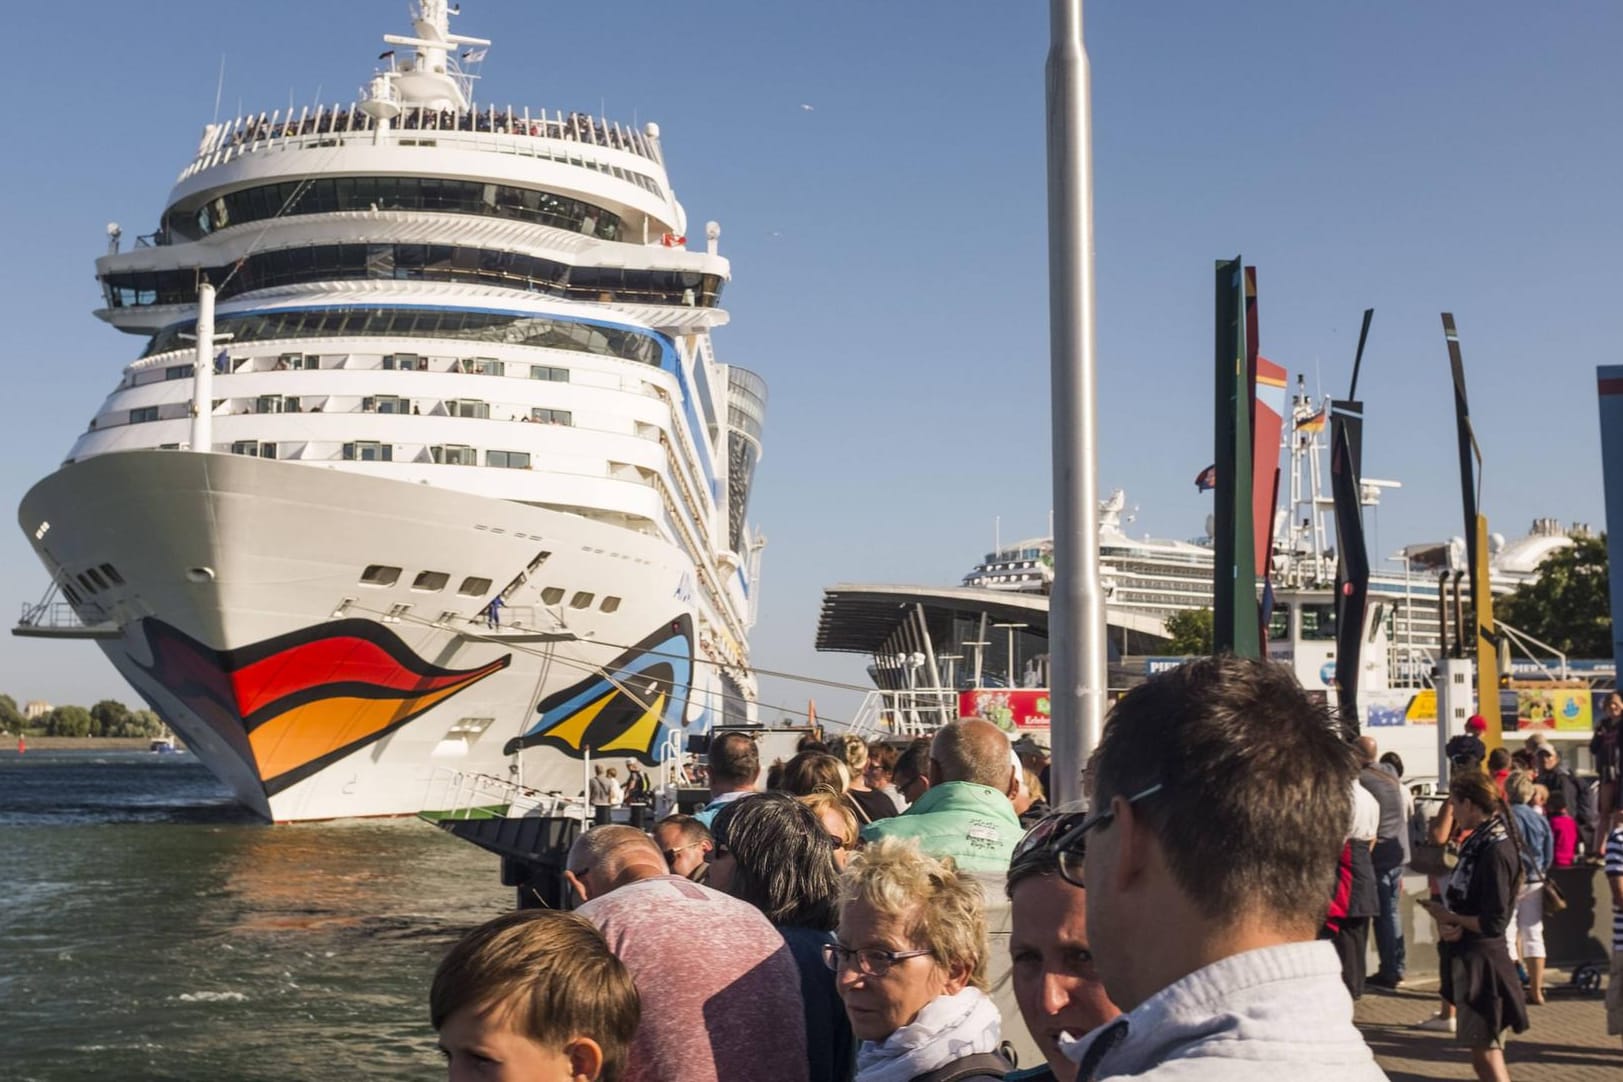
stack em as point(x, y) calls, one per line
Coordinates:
point(1451, 933)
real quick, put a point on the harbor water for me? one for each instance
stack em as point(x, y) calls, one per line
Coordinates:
point(151, 929)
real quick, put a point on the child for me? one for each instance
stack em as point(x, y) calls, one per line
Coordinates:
point(1564, 828)
point(534, 995)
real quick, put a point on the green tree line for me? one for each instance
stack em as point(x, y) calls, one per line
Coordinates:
point(107, 718)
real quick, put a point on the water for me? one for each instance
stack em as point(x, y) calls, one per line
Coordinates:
point(150, 929)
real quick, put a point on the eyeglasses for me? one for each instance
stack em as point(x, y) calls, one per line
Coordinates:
point(839, 842)
point(903, 786)
point(1065, 834)
point(670, 854)
point(870, 961)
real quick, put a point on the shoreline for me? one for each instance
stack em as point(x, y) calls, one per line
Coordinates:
point(79, 743)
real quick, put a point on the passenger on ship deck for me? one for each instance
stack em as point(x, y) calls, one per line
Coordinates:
point(1056, 985)
point(967, 813)
point(910, 963)
point(534, 996)
point(714, 976)
point(1220, 808)
point(772, 852)
point(734, 764)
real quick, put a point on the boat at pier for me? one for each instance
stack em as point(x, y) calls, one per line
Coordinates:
point(428, 468)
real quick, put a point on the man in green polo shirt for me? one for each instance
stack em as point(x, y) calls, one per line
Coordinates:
point(967, 813)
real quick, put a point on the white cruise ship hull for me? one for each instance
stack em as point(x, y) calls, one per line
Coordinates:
point(240, 614)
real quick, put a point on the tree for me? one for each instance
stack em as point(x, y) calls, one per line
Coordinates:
point(109, 717)
point(68, 721)
point(1190, 631)
point(1569, 604)
point(11, 719)
point(143, 723)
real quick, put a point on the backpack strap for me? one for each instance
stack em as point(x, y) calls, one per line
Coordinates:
point(979, 1065)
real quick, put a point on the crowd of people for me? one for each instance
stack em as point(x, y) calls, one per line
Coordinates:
point(1198, 919)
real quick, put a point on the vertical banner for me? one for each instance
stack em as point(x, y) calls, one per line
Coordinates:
point(1609, 380)
point(1267, 427)
point(1234, 585)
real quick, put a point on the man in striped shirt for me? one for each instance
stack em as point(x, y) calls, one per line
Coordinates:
point(1614, 878)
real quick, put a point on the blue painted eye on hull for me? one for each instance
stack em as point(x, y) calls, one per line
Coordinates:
point(628, 707)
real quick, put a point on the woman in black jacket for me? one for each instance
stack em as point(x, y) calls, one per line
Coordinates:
point(1478, 903)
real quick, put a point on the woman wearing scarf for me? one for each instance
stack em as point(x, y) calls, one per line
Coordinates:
point(910, 963)
point(1478, 903)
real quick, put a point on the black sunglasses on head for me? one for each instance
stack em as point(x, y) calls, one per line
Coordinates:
point(1062, 837)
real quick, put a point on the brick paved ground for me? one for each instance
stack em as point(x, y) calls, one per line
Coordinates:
point(1566, 1043)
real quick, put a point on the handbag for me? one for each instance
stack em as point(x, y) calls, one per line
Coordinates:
point(1426, 858)
point(1554, 900)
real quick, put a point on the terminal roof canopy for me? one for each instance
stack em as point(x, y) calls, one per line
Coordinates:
point(862, 619)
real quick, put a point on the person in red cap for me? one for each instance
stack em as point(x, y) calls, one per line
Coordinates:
point(1476, 723)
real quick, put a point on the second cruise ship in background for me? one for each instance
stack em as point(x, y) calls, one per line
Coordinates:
point(460, 481)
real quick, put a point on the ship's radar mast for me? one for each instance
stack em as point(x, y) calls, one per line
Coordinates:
point(433, 78)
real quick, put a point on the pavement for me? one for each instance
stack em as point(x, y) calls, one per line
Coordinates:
point(1566, 1042)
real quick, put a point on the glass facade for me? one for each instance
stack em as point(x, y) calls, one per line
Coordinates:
point(442, 195)
point(746, 412)
point(499, 327)
point(416, 262)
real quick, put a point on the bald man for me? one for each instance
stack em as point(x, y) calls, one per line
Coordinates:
point(968, 811)
point(1388, 856)
point(711, 971)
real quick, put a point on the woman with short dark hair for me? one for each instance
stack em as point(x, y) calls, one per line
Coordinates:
point(1478, 902)
point(772, 852)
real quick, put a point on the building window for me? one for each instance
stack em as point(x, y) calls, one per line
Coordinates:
point(512, 460)
point(552, 417)
point(552, 595)
point(380, 575)
point(368, 451)
point(581, 600)
point(452, 454)
point(430, 580)
point(547, 372)
point(178, 371)
point(473, 586)
point(144, 414)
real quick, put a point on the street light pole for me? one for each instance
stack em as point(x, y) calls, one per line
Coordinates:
point(1012, 659)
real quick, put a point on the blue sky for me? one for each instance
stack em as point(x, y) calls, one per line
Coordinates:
point(889, 244)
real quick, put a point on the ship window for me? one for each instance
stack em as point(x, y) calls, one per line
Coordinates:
point(380, 575)
point(67, 591)
point(552, 595)
point(547, 372)
point(95, 577)
point(552, 417)
point(482, 366)
point(368, 451)
point(404, 362)
point(112, 574)
point(143, 414)
point(581, 600)
point(385, 403)
point(178, 371)
point(1279, 623)
point(454, 455)
point(430, 580)
point(468, 407)
point(89, 589)
point(474, 586)
point(512, 460)
point(1318, 622)
point(610, 604)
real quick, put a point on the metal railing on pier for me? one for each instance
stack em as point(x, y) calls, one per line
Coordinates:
point(465, 794)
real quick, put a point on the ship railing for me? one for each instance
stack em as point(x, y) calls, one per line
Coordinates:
point(454, 793)
point(50, 614)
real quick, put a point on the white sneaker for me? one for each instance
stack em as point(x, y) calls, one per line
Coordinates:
point(1437, 1024)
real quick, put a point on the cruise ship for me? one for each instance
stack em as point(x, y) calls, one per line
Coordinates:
point(427, 465)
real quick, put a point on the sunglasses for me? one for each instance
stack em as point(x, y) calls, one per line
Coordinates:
point(670, 854)
point(1063, 836)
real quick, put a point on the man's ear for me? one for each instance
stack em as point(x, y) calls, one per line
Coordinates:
point(585, 1059)
point(580, 887)
point(1013, 789)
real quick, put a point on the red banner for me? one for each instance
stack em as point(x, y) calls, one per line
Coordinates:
point(1010, 708)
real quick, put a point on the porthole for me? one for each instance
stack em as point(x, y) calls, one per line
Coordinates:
point(610, 604)
point(552, 595)
point(380, 575)
point(430, 580)
point(581, 600)
point(473, 586)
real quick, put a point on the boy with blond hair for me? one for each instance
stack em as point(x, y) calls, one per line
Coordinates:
point(534, 995)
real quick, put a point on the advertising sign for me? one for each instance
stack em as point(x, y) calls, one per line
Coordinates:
point(1011, 708)
point(1543, 706)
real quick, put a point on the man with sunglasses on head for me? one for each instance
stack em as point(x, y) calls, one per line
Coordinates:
point(1056, 987)
point(1219, 811)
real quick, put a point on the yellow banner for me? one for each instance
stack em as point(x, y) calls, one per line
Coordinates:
point(1559, 708)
